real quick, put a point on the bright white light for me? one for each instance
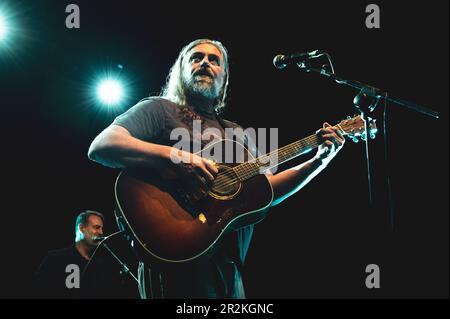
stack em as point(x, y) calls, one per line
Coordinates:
point(3, 28)
point(110, 92)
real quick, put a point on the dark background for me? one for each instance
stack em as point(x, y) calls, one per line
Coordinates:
point(314, 245)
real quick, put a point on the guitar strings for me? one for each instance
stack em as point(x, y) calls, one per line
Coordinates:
point(246, 169)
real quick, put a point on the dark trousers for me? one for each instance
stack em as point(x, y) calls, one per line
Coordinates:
point(215, 278)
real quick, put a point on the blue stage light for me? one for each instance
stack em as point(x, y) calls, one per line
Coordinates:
point(110, 92)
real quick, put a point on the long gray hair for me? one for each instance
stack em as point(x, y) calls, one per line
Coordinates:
point(174, 89)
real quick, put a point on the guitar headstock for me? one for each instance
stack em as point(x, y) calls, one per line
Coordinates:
point(354, 128)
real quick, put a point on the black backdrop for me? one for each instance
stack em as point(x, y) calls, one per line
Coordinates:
point(314, 245)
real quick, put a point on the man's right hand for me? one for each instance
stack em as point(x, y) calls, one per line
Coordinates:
point(196, 173)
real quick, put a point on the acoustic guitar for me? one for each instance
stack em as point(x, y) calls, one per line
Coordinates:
point(167, 225)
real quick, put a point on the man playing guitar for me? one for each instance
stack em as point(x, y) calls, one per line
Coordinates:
point(140, 139)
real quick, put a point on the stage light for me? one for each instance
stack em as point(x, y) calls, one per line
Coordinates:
point(3, 28)
point(110, 92)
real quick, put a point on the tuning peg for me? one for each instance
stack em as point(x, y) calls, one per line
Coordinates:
point(363, 137)
point(355, 139)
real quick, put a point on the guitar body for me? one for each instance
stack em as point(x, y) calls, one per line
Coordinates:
point(167, 226)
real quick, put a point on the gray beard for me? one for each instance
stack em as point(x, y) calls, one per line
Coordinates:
point(201, 90)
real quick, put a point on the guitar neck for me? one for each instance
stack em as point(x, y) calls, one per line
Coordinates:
point(265, 162)
point(354, 127)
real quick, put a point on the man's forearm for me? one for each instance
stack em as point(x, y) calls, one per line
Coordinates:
point(126, 151)
point(290, 181)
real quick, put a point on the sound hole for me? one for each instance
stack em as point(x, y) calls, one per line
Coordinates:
point(226, 183)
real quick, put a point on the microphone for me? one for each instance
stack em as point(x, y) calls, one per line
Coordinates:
point(98, 238)
point(281, 61)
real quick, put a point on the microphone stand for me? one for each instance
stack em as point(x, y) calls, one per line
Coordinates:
point(125, 269)
point(374, 92)
point(365, 102)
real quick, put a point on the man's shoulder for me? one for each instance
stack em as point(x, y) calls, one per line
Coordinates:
point(59, 257)
point(61, 252)
point(228, 123)
point(157, 101)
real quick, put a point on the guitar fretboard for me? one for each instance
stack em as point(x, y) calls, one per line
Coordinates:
point(265, 162)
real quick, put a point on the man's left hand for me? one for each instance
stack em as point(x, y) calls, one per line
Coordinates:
point(332, 142)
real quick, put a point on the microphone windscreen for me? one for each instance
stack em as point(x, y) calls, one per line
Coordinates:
point(278, 61)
